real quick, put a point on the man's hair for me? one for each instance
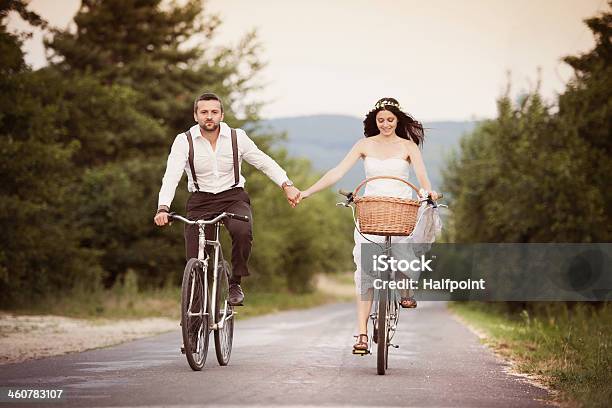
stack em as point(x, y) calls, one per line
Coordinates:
point(208, 96)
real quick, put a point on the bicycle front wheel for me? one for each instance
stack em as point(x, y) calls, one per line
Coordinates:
point(195, 319)
point(381, 323)
point(224, 336)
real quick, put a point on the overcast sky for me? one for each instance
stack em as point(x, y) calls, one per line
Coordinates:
point(443, 60)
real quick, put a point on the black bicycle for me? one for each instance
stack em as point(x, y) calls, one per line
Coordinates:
point(204, 297)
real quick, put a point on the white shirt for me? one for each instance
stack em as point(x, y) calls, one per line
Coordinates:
point(214, 168)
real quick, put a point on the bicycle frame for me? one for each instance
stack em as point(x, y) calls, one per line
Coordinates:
point(204, 258)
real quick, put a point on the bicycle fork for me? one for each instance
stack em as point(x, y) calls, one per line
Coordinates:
point(215, 282)
point(392, 315)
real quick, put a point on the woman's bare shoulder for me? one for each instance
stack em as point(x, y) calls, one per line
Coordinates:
point(410, 148)
point(409, 145)
point(362, 145)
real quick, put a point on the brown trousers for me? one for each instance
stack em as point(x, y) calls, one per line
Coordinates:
point(208, 205)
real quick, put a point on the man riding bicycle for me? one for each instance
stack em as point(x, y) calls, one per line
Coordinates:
point(211, 153)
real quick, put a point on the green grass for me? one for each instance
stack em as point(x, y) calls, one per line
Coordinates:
point(108, 304)
point(259, 303)
point(343, 278)
point(125, 301)
point(569, 349)
point(164, 303)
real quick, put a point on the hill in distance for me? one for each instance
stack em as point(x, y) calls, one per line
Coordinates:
point(326, 139)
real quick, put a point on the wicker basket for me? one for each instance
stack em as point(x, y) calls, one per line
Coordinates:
point(386, 215)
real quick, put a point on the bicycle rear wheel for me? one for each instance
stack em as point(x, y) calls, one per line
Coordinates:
point(381, 329)
point(195, 319)
point(224, 337)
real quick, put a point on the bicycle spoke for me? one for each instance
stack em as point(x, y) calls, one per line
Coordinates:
point(193, 278)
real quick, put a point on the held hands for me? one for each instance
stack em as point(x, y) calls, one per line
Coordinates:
point(294, 196)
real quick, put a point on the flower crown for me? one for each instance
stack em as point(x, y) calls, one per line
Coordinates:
point(385, 102)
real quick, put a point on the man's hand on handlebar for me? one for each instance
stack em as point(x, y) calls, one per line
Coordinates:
point(161, 219)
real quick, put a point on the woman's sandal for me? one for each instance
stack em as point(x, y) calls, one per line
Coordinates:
point(408, 302)
point(361, 347)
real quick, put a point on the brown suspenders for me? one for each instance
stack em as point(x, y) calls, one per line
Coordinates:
point(234, 152)
point(193, 174)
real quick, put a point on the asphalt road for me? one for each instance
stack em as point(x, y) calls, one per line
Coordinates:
point(298, 358)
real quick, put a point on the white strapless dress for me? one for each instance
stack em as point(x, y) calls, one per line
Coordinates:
point(424, 234)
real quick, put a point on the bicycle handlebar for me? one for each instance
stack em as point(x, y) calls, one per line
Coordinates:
point(238, 217)
point(212, 221)
point(349, 196)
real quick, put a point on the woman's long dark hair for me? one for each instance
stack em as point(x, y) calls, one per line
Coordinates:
point(407, 127)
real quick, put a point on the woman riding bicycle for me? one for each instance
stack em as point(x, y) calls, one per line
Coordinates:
point(391, 145)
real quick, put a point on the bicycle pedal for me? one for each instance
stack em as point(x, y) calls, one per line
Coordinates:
point(361, 352)
point(182, 349)
point(394, 345)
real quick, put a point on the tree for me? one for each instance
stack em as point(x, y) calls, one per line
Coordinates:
point(162, 51)
point(533, 176)
point(585, 117)
point(40, 251)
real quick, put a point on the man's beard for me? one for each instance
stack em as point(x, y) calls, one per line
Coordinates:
point(209, 127)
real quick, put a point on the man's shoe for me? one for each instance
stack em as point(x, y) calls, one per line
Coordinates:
point(236, 296)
